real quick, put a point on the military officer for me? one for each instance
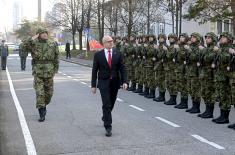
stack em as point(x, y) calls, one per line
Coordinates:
point(193, 70)
point(169, 67)
point(159, 68)
point(45, 63)
point(181, 79)
point(207, 75)
point(222, 77)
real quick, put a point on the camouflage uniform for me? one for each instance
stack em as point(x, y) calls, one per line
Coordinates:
point(207, 76)
point(23, 55)
point(118, 43)
point(139, 66)
point(123, 50)
point(193, 71)
point(45, 63)
point(144, 64)
point(151, 59)
point(181, 71)
point(222, 79)
point(132, 62)
point(169, 67)
point(159, 68)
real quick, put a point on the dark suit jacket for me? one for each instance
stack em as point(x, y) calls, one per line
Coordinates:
point(102, 69)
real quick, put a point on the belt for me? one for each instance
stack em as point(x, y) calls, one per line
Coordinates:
point(43, 61)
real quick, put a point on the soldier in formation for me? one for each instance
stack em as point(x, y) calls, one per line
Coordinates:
point(184, 66)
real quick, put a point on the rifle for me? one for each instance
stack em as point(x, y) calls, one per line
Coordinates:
point(231, 63)
point(164, 56)
point(175, 56)
point(186, 59)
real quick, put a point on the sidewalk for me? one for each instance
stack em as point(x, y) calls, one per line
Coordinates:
point(83, 62)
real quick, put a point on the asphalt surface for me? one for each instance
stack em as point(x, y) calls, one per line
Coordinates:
point(73, 123)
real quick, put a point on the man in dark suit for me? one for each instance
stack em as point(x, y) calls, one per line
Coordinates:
point(108, 64)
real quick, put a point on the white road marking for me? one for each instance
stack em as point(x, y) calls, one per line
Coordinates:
point(60, 72)
point(137, 108)
point(75, 79)
point(90, 86)
point(168, 122)
point(26, 133)
point(10, 58)
point(83, 83)
point(69, 77)
point(208, 142)
point(24, 89)
point(119, 100)
point(65, 74)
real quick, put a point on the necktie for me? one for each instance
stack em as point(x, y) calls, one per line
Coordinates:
point(109, 59)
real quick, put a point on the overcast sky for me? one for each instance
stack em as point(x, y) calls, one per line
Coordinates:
point(29, 11)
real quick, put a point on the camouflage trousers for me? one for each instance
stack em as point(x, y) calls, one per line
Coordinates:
point(138, 74)
point(171, 82)
point(232, 85)
point(150, 78)
point(181, 84)
point(224, 90)
point(208, 91)
point(160, 80)
point(131, 73)
point(194, 88)
point(44, 91)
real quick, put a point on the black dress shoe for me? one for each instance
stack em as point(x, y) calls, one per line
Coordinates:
point(108, 133)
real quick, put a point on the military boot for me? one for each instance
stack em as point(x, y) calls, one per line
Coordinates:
point(172, 100)
point(223, 118)
point(139, 89)
point(160, 98)
point(42, 114)
point(232, 126)
point(146, 92)
point(133, 87)
point(183, 104)
point(195, 108)
point(151, 94)
point(208, 113)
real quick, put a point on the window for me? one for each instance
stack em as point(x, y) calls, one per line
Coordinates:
point(161, 28)
point(219, 26)
point(226, 25)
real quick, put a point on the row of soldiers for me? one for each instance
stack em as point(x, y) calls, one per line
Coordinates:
point(187, 66)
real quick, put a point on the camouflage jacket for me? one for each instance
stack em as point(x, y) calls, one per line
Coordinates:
point(150, 59)
point(192, 69)
point(222, 73)
point(160, 56)
point(171, 58)
point(22, 51)
point(208, 57)
point(45, 57)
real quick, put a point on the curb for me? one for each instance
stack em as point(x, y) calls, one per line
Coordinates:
point(74, 62)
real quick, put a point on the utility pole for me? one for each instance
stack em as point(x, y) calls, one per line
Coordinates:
point(39, 10)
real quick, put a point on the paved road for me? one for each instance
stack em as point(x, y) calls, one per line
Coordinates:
point(73, 125)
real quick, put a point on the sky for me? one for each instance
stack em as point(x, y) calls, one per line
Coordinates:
point(29, 11)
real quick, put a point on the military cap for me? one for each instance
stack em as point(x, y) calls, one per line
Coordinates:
point(212, 35)
point(161, 36)
point(184, 35)
point(172, 35)
point(196, 35)
point(42, 30)
point(227, 35)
